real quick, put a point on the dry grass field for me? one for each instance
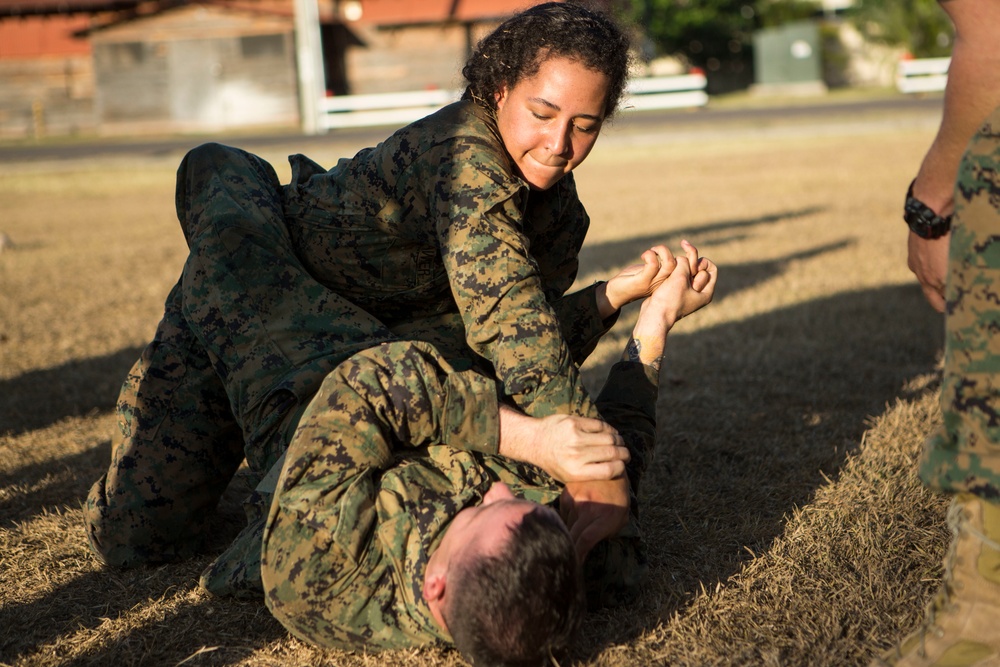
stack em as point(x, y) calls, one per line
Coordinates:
point(785, 522)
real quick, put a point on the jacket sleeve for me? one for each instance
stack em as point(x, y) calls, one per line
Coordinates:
point(557, 224)
point(320, 561)
point(628, 402)
point(580, 321)
point(498, 286)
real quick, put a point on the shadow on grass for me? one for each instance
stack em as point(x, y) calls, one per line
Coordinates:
point(754, 417)
point(31, 489)
point(40, 398)
point(611, 256)
point(159, 621)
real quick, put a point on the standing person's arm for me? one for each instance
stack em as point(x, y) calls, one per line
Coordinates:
point(973, 91)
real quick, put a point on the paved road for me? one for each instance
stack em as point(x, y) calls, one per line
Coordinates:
point(628, 124)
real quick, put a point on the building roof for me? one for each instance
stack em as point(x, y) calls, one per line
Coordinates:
point(407, 12)
point(10, 8)
point(376, 12)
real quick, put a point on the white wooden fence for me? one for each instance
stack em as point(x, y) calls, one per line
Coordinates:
point(667, 92)
point(923, 75)
point(343, 111)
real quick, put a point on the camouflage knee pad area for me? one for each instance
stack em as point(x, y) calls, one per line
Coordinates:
point(177, 450)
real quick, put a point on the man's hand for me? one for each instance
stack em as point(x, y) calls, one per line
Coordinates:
point(928, 259)
point(569, 448)
point(594, 511)
point(637, 281)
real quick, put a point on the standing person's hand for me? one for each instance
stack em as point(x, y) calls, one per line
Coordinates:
point(928, 259)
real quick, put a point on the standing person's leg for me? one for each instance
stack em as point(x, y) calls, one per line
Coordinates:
point(963, 457)
point(178, 448)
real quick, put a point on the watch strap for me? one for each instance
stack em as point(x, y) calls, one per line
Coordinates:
point(923, 221)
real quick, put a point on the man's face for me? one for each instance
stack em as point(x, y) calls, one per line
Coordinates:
point(550, 121)
point(479, 531)
point(485, 529)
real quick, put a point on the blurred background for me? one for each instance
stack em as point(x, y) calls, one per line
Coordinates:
point(131, 67)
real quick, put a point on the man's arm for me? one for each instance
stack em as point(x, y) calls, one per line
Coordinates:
point(599, 509)
point(973, 91)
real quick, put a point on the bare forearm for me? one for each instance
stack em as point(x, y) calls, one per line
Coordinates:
point(567, 447)
point(604, 306)
point(973, 92)
point(648, 341)
point(645, 349)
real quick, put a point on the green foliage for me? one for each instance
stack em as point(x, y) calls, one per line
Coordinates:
point(919, 25)
point(710, 32)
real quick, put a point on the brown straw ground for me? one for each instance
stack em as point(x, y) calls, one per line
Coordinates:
point(784, 519)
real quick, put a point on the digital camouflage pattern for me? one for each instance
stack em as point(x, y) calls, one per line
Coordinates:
point(355, 519)
point(353, 525)
point(176, 449)
point(433, 220)
point(965, 454)
point(248, 337)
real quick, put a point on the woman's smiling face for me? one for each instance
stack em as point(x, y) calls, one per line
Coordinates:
point(550, 121)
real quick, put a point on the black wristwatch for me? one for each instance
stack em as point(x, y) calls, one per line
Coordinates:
point(924, 222)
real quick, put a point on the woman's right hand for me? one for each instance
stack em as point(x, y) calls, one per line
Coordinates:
point(567, 447)
point(639, 280)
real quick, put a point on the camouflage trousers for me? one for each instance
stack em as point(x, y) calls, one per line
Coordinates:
point(246, 339)
point(964, 455)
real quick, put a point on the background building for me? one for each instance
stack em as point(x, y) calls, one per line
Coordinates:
point(125, 66)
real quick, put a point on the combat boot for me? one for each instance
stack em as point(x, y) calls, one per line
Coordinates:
point(961, 626)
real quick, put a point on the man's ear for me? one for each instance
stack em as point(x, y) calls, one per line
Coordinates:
point(435, 583)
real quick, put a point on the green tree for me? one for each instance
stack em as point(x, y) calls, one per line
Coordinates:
point(919, 25)
point(698, 30)
point(714, 35)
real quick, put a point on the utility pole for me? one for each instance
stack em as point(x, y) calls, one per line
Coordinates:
point(309, 62)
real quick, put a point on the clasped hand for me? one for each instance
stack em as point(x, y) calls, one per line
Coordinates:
point(640, 281)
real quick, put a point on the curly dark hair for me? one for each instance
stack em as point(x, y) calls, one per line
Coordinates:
point(523, 606)
point(518, 47)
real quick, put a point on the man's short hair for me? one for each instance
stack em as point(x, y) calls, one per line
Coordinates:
point(524, 605)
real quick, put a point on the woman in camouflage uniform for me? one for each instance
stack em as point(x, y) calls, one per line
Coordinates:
point(462, 230)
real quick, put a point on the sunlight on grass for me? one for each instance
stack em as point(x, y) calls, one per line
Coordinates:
point(791, 409)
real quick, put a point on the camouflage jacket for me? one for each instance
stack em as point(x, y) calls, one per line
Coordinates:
point(365, 495)
point(433, 222)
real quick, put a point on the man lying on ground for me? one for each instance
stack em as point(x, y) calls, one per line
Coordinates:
point(396, 520)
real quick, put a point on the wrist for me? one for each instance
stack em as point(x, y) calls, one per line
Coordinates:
point(514, 434)
point(638, 350)
point(922, 219)
point(605, 307)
